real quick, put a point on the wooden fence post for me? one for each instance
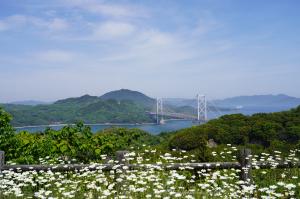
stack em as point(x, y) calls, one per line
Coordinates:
point(120, 156)
point(246, 167)
point(1, 160)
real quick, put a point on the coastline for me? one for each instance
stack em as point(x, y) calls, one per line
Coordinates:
point(96, 124)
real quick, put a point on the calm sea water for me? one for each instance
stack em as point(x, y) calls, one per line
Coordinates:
point(171, 125)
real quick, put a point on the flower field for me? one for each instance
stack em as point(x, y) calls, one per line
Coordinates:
point(155, 182)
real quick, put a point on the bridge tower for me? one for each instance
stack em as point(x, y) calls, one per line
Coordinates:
point(201, 108)
point(159, 111)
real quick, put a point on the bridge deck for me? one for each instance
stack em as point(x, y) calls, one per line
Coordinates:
point(176, 115)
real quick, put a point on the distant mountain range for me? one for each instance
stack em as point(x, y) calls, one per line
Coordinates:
point(127, 106)
point(260, 101)
point(30, 102)
point(242, 101)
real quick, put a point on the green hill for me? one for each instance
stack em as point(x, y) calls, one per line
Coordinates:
point(83, 100)
point(270, 130)
point(135, 96)
point(123, 106)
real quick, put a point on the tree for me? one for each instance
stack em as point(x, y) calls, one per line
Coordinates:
point(293, 134)
point(188, 139)
point(6, 130)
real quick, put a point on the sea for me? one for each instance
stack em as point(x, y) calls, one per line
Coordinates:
point(167, 126)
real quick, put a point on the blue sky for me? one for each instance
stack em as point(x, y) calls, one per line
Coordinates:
point(54, 49)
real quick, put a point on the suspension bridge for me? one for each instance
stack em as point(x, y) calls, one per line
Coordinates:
point(162, 115)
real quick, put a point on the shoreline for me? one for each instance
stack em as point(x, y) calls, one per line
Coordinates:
point(96, 124)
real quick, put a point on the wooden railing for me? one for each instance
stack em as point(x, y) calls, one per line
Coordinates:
point(244, 164)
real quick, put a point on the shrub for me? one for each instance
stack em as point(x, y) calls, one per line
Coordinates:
point(6, 130)
point(188, 139)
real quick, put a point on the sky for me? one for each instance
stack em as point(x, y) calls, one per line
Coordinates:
point(54, 49)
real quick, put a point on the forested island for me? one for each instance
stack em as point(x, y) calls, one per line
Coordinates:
point(112, 107)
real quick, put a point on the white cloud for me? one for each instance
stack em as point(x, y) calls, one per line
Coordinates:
point(54, 56)
point(106, 9)
point(112, 30)
point(19, 21)
point(203, 28)
point(3, 26)
point(12, 22)
point(152, 50)
point(58, 24)
point(205, 25)
point(111, 10)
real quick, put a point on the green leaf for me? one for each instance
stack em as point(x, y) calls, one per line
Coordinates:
point(63, 148)
point(98, 151)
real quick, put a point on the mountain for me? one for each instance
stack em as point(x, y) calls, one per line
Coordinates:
point(280, 100)
point(78, 101)
point(78, 109)
point(125, 94)
point(30, 102)
point(127, 106)
point(122, 106)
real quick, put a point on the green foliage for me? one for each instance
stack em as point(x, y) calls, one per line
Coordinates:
point(260, 132)
point(113, 139)
point(74, 142)
point(6, 130)
point(134, 96)
point(191, 140)
point(267, 130)
point(88, 109)
point(188, 139)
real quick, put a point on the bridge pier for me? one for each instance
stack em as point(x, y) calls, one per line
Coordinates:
point(201, 108)
point(159, 111)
